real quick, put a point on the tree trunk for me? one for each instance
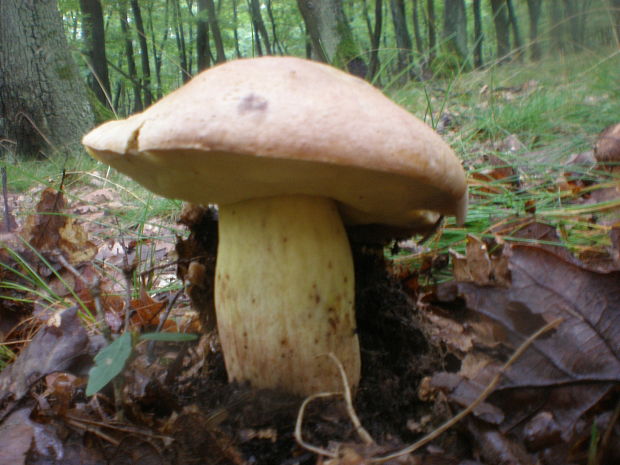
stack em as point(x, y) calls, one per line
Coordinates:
point(478, 36)
point(259, 25)
point(432, 31)
point(533, 7)
point(144, 53)
point(180, 39)
point(556, 15)
point(214, 25)
point(577, 14)
point(94, 39)
point(417, 33)
point(236, 28)
point(375, 39)
point(43, 100)
point(329, 31)
point(203, 47)
point(403, 41)
point(131, 64)
point(615, 13)
point(276, 43)
point(516, 33)
point(502, 28)
point(158, 48)
point(455, 29)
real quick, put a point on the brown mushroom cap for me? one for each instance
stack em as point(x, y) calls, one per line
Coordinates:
point(278, 126)
point(607, 147)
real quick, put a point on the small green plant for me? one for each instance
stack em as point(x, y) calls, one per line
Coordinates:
point(111, 360)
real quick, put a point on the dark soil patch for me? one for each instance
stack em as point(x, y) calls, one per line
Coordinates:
point(234, 424)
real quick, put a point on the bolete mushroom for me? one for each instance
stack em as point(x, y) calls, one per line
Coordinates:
point(290, 150)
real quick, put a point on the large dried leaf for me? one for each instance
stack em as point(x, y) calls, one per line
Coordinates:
point(547, 397)
point(54, 348)
point(585, 347)
point(51, 230)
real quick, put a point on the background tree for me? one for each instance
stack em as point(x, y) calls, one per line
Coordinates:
point(502, 28)
point(94, 41)
point(478, 37)
point(132, 72)
point(260, 31)
point(534, 9)
point(144, 53)
point(455, 29)
point(203, 46)
point(516, 31)
point(401, 34)
point(329, 30)
point(43, 98)
point(615, 13)
point(374, 33)
point(214, 25)
point(417, 32)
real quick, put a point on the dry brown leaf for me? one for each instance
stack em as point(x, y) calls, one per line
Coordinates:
point(53, 349)
point(51, 230)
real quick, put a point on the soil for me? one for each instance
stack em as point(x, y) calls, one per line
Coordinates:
point(234, 424)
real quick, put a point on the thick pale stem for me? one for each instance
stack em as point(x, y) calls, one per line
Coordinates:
point(284, 293)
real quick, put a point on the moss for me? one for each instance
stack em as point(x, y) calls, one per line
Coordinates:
point(102, 113)
point(65, 71)
point(347, 48)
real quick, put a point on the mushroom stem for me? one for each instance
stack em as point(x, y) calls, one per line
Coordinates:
point(284, 293)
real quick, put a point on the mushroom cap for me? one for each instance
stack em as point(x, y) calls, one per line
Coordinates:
point(275, 126)
point(607, 147)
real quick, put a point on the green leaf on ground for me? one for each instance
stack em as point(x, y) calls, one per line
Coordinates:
point(109, 362)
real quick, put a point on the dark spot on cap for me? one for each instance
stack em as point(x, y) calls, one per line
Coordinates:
point(252, 103)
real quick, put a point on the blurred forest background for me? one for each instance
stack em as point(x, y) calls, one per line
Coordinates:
point(66, 65)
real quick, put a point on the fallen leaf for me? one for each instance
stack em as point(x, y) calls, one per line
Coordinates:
point(52, 349)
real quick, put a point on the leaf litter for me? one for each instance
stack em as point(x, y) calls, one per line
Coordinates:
point(427, 352)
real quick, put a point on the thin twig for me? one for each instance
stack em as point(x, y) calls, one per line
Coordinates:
point(8, 222)
point(162, 320)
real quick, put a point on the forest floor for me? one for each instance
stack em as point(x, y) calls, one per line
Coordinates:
point(445, 326)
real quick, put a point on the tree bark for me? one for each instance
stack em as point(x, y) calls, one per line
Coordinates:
point(43, 100)
point(276, 42)
point(375, 37)
point(533, 8)
point(180, 39)
point(94, 40)
point(131, 64)
point(203, 46)
point(516, 33)
point(455, 29)
point(615, 6)
point(432, 31)
point(214, 25)
point(259, 26)
point(401, 34)
point(158, 47)
point(144, 53)
point(478, 36)
point(329, 31)
point(502, 28)
point(236, 28)
point(417, 34)
point(556, 15)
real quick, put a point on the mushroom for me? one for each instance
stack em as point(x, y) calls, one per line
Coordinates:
point(607, 147)
point(290, 150)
